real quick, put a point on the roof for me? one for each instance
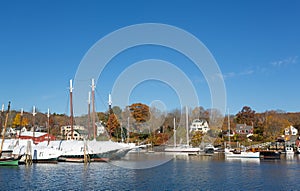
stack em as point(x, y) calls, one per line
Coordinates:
point(202, 121)
point(243, 127)
point(81, 132)
point(30, 134)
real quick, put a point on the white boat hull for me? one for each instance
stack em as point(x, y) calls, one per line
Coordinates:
point(183, 149)
point(242, 154)
point(38, 153)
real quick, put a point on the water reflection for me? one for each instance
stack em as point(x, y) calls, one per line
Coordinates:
point(289, 156)
point(142, 160)
point(244, 160)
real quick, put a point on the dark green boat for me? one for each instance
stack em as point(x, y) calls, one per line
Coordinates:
point(9, 162)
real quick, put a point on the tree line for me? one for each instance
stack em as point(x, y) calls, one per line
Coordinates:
point(142, 123)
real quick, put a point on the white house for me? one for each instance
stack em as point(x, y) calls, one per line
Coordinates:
point(65, 129)
point(77, 135)
point(100, 128)
point(290, 131)
point(199, 125)
point(9, 131)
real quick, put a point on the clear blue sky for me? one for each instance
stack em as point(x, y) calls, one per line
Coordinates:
point(255, 43)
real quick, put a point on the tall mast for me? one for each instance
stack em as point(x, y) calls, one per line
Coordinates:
point(93, 108)
point(110, 112)
point(128, 130)
point(109, 102)
point(174, 132)
point(229, 127)
point(187, 126)
point(21, 120)
point(4, 130)
point(48, 124)
point(122, 138)
point(33, 114)
point(89, 115)
point(71, 110)
point(1, 119)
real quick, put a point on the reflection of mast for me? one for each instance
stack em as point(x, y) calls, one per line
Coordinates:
point(89, 115)
point(71, 110)
point(93, 108)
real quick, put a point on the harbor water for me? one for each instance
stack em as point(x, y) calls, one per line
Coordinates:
point(179, 173)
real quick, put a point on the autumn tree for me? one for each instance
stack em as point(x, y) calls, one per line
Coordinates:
point(275, 126)
point(112, 124)
point(196, 138)
point(245, 116)
point(140, 112)
point(18, 123)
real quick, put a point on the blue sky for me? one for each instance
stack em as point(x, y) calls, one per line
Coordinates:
point(255, 43)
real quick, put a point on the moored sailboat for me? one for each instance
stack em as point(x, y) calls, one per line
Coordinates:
point(7, 161)
point(88, 150)
point(187, 149)
point(238, 153)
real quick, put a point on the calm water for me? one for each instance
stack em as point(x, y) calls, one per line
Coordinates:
point(181, 173)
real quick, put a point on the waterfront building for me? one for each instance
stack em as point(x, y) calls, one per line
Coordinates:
point(77, 134)
point(243, 129)
point(199, 125)
point(290, 131)
point(37, 137)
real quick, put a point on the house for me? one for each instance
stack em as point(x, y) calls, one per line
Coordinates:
point(199, 125)
point(20, 130)
point(41, 129)
point(290, 131)
point(9, 132)
point(244, 129)
point(65, 129)
point(100, 128)
point(77, 134)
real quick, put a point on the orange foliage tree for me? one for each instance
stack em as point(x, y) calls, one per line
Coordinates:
point(112, 124)
point(140, 112)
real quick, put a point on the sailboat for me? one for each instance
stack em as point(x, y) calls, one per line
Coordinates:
point(7, 161)
point(238, 153)
point(183, 148)
point(78, 150)
point(38, 152)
